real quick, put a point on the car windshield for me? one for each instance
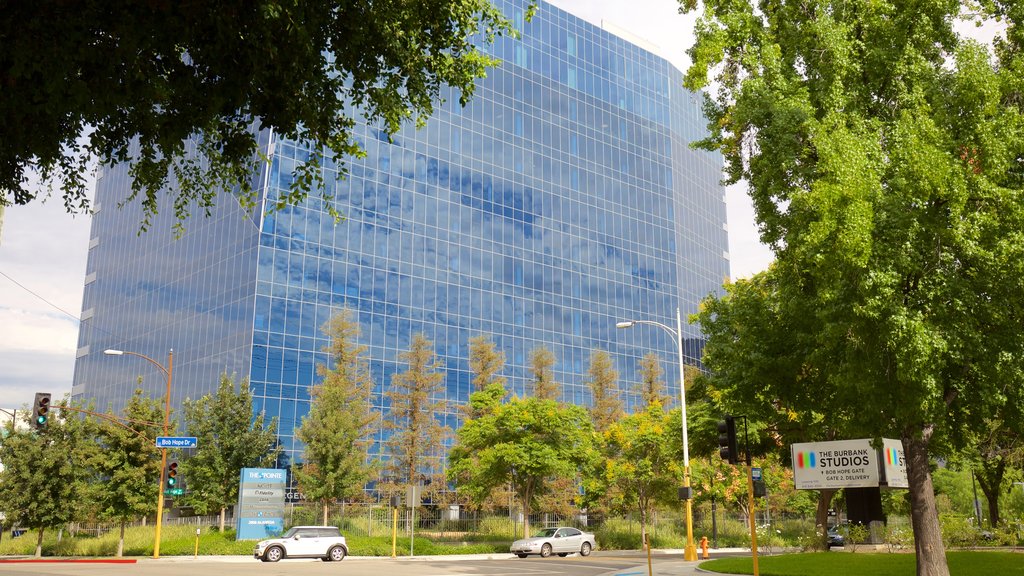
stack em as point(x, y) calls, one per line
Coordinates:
point(546, 533)
point(289, 533)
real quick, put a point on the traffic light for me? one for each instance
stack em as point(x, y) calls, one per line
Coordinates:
point(41, 410)
point(727, 440)
point(172, 475)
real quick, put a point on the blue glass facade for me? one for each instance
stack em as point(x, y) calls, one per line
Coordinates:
point(562, 199)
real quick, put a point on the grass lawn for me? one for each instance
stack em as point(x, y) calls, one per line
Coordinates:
point(831, 563)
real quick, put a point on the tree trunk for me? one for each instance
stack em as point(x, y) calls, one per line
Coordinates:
point(991, 478)
point(39, 544)
point(643, 529)
point(223, 512)
point(931, 553)
point(526, 497)
point(120, 541)
point(325, 514)
point(821, 516)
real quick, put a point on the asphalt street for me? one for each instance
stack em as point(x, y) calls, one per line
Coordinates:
point(601, 563)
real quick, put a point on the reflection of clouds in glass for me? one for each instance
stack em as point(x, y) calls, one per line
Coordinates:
point(540, 215)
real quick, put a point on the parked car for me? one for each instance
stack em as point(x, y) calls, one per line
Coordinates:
point(562, 541)
point(835, 537)
point(323, 542)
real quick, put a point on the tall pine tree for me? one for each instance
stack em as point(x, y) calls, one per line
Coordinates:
point(416, 441)
point(337, 430)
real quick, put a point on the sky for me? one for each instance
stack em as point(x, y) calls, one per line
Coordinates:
point(43, 249)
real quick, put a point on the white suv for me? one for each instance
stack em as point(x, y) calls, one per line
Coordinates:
point(323, 542)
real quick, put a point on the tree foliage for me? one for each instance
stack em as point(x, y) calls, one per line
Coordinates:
point(885, 158)
point(229, 439)
point(606, 407)
point(652, 384)
point(416, 442)
point(175, 88)
point(642, 462)
point(126, 462)
point(541, 367)
point(45, 474)
point(337, 430)
point(526, 442)
point(486, 364)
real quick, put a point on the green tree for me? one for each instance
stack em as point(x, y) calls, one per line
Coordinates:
point(994, 450)
point(127, 463)
point(767, 360)
point(606, 408)
point(146, 82)
point(416, 442)
point(337, 430)
point(542, 362)
point(652, 385)
point(229, 438)
point(643, 462)
point(525, 442)
point(45, 472)
point(883, 155)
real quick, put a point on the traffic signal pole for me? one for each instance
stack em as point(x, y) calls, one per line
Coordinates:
point(750, 497)
point(163, 458)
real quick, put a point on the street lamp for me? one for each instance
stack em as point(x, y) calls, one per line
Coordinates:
point(169, 370)
point(690, 553)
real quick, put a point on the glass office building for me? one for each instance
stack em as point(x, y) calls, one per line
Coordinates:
point(563, 199)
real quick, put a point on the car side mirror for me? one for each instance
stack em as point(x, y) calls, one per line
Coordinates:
point(558, 535)
point(297, 537)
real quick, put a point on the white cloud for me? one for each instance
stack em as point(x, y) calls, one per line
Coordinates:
point(44, 250)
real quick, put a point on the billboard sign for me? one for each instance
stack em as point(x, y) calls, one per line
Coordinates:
point(894, 465)
point(838, 464)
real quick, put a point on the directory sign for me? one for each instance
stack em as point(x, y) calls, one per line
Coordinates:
point(260, 511)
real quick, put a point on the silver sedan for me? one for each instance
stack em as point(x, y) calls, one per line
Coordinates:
point(562, 541)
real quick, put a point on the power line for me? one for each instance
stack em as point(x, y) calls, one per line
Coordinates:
point(69, 314)
point(26, 289)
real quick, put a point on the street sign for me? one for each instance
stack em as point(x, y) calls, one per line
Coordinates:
point(755, 473)
point(174, 492)
point(176, 442)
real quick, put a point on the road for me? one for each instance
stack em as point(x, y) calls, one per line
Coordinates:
point(609, 563)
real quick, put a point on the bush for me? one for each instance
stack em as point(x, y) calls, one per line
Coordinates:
point(898, 537)
point(957, 531)
point(854, 534)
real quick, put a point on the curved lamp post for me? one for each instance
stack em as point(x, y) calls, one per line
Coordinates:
point(690, 553)
point(168, 370)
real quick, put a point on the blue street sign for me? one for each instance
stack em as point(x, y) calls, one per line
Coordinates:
point(755, 473)
point(176, 442)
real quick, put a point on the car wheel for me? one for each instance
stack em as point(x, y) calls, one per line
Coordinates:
point(585, 549)
point(545, 551)
point(273, 554)
point(521, 555)
point(336, 554)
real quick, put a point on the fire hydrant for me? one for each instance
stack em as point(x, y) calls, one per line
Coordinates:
point(704, 548)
